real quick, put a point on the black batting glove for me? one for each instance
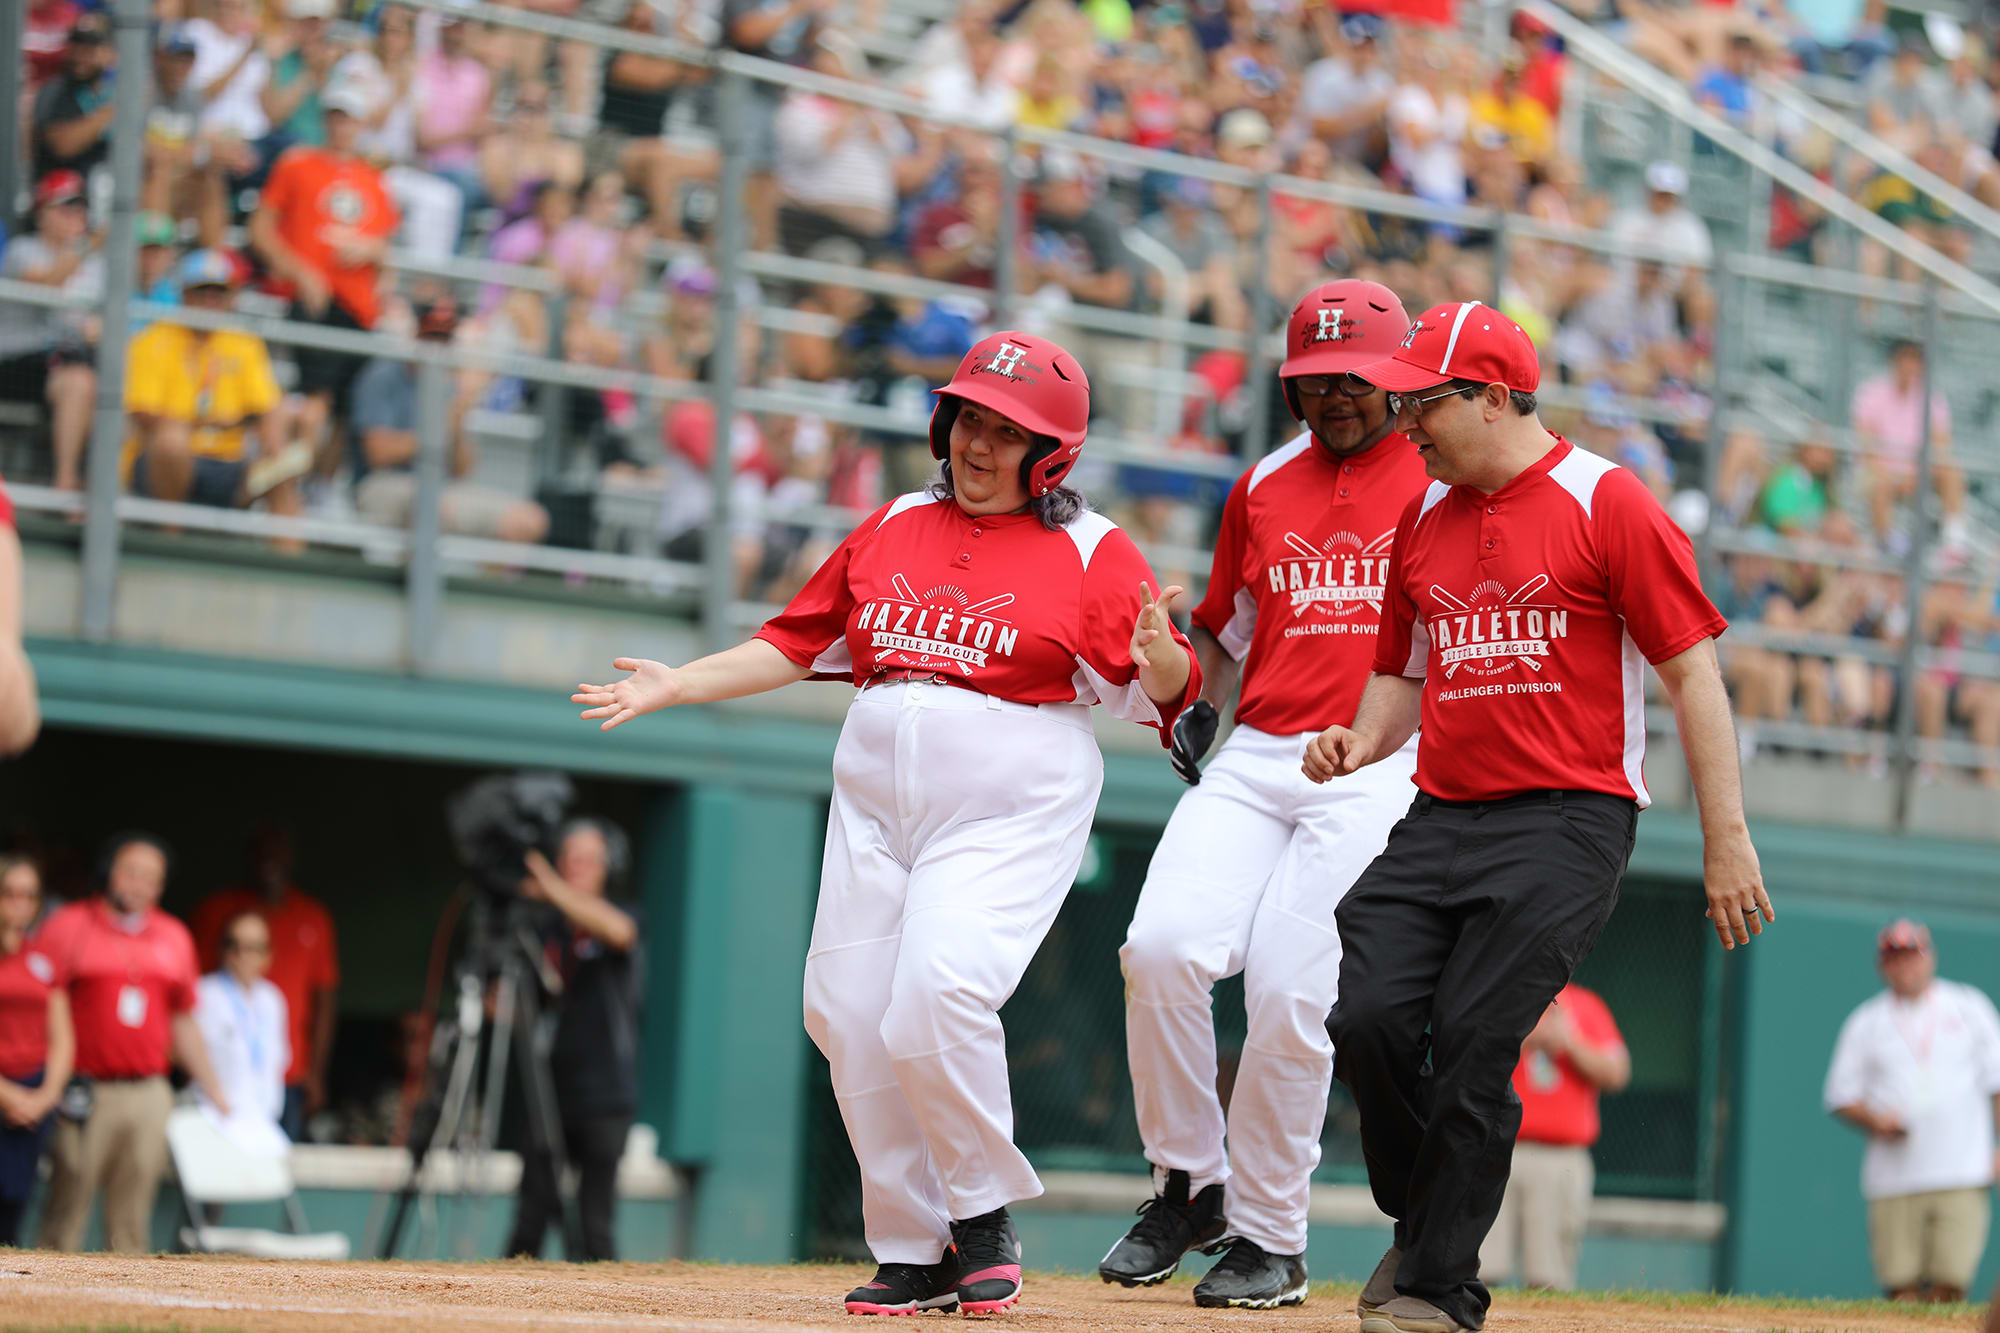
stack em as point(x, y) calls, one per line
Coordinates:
point(1194, 732)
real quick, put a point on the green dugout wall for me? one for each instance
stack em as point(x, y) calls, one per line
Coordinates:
point(729, 805)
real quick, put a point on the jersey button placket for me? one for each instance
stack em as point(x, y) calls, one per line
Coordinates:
point(1489, 533)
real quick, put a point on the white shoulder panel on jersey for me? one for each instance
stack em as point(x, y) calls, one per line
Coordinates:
point(835, 661)
point(1579, 474)
point(1087, 529)
point(910, 501)
point(1277, 458)
point(1435, 492)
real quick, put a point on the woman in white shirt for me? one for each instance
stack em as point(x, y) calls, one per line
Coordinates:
point(433, 208)
point(245, 1023)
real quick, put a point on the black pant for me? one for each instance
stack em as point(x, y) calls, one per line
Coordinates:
point(1467, 924)
point(594, 1144)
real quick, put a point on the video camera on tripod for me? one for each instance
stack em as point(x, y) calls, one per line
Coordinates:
point(498, 820)
point(500, 975)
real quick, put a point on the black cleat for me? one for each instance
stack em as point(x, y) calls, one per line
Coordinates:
point(1169, 1226)
point(909, 1288)
point(989, 1262)
point(1252, 1278)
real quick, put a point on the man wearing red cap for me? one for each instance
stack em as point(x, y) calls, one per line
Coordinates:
point(1529, 586)
point(1248, 871)
point(1917, 1069)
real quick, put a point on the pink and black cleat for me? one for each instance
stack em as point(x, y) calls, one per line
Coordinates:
point(908, 1288)
point(989, 1257)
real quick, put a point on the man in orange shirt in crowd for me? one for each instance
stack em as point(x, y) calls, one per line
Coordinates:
point(1573, 1054)
point(305, 963)
point(322, 228)
point(128, 969)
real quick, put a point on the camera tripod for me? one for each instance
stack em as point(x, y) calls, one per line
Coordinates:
point(504, 960)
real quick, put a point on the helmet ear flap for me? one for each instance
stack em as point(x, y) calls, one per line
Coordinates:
point(944, 415)
point(1292, 399)
point(1044, 446)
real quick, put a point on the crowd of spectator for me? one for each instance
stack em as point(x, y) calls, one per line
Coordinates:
point(299, 140)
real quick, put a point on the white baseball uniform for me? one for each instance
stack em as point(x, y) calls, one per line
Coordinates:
point(958, 822)
point(1250, 867)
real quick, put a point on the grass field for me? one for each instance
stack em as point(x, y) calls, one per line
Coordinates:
point(102, 1293)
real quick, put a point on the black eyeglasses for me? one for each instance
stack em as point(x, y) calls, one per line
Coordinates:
point(245, 946)
point(1400, 403)
point(1318, 386)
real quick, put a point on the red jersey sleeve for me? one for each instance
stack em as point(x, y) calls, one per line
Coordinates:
point(1591, 1018)
point(1402, 644)
point(1649, 569)
point(1228, 610)
point(6, 508)
point(812, 630)
point(1109, 605)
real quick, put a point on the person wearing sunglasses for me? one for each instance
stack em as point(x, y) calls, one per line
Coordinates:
point(1530, 586)
point(1247, 873)
point(246, 1024)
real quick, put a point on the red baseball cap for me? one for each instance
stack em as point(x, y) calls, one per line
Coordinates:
point(1902, 934)
point(59, 187)
point(1463, 340)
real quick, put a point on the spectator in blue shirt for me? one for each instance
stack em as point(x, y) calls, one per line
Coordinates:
point(1726, 88)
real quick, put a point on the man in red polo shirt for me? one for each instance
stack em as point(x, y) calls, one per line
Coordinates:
point(1573, 1054)
point(1528, 588)
point(129, 970)
point(20, 714)
point(305, 963)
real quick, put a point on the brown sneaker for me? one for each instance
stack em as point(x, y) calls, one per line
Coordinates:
point(1408, 1314)
point(1381, 1288)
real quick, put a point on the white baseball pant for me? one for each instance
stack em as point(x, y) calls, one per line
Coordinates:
point(957, 826)
point(1245, 879)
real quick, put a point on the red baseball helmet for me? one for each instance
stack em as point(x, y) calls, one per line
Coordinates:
point(1032, 382)
point(1338, 326)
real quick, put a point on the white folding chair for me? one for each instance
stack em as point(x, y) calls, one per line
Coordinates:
point(213, 1170)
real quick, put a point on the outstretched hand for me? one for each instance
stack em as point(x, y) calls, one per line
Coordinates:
point(1152, 624)
point(651, 686)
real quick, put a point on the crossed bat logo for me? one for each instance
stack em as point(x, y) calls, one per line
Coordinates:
point(1324, 590)
point(908, 647)
point(1496, 628)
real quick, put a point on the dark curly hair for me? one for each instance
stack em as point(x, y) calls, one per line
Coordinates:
point(1056, 510)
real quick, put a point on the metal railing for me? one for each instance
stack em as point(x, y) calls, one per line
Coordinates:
point(1743, 392)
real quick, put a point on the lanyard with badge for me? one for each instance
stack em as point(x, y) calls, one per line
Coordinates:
point(133, 1001)
point(253, 1041)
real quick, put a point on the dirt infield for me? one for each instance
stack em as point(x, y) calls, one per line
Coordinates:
point(45, 1291)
